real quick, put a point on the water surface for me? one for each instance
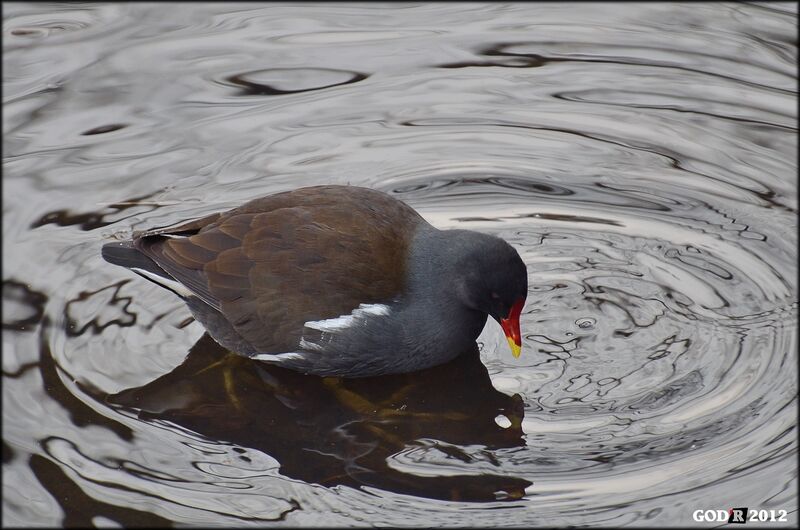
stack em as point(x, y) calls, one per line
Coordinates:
point(641, 157)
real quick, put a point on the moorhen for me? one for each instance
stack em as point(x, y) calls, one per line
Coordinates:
point(334, 281)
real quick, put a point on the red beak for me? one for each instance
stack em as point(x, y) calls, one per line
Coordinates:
point(510, 326)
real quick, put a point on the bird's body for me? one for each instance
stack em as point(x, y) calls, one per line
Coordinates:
point(331, 280)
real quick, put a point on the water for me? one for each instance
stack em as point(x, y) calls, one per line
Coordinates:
point(641, 157)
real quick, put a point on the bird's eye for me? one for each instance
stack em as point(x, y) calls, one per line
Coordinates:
point(495, 295)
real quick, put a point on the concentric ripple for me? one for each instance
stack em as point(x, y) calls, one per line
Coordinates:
point(642, 159)
point(657, 336)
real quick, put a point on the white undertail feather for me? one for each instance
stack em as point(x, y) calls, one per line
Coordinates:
point(173, 285)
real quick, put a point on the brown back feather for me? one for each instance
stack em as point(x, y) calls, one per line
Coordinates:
point(279, 261)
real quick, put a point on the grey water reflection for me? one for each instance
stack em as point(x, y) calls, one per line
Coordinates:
point(642, 157)
point(331, 431)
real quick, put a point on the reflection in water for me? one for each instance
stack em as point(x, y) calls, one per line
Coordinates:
point(333, 431)
point(641, 157)
point(22, 306)
point(95, 219)
point(280, 81)
point(86, 311)
point(80, 509)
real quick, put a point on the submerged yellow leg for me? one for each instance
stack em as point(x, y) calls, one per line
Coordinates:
point(230, 389)
point(381, 409)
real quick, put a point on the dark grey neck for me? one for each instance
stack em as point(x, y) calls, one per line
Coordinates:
point(433, 294)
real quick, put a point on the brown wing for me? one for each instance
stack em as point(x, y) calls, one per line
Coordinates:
point(277, 262)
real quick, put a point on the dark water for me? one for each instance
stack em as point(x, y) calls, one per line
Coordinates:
point(641, 157)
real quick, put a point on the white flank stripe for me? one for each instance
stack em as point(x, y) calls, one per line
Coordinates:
point(306, 345)
point(277, 356)
point(345, 321)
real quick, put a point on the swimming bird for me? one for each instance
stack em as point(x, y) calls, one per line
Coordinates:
point(334, 281)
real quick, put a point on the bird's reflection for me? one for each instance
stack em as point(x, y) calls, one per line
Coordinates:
point(333, 431)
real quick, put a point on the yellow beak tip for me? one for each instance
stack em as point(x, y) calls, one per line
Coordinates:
point(516, 349)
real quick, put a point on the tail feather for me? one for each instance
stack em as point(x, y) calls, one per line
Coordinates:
point(124, 254)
